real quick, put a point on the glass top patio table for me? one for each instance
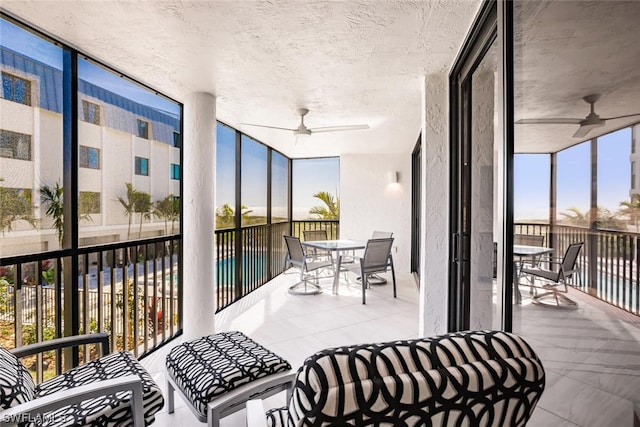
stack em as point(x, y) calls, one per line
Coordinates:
point(524, 250)
point(337, 246)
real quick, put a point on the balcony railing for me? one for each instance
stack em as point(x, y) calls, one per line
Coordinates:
point(609, 261)
point(261, 252)
point(130, 290)
point(332, 227)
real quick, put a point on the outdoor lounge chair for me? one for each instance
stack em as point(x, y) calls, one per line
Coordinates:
point(376, 259)
point(113, 390)
point(298, 258)
point(473, 378)
point(553, 279)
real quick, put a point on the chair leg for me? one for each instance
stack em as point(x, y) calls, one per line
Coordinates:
point(170, 397)
point(364, 286)
point(393, 276)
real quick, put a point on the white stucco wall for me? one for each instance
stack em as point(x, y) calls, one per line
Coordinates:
point(368, 201)
point(434, 220)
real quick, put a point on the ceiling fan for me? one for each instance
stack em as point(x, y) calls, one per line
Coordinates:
point(302, 129)
point(586, 125)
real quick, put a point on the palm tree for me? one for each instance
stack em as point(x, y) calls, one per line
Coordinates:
point(608, 220)
point(129, 204)
point(574, 216)
point(331, 210)
point(167, 209)
point(52, 197)
point(142, 206)
point(605, 218)
point(631, 209)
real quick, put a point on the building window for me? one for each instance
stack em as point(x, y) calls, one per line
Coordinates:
point(143, 129)
point(175, 171)
point(89, 157)
point(91, 112)
point(142, 166)
point(88, 203)
point(16, 89)
point(176, 139)
point(633, 175)
point(15, 145)
point(19, 202)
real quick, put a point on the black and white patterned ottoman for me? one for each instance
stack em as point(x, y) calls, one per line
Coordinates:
point(213, 373)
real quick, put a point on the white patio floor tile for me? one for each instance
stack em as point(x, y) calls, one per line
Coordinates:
point(590, 354)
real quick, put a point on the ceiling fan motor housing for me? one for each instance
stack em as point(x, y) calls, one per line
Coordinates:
point(593, 120)
point(302, 130)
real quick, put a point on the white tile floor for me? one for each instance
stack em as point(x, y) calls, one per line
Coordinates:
point(592, 360)
point(591, 355)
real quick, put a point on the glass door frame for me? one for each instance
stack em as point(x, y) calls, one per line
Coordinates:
point(416, 203)
point(492, 24)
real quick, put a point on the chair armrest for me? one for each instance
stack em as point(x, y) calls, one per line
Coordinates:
point(35, 408)
point(232, 401)
point(256, 414)
point(63, 342)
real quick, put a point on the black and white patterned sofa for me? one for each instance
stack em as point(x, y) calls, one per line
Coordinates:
point(476, 378)
point(113, 390)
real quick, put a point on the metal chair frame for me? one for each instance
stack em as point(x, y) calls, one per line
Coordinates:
point(567, 268)
point(297, 257)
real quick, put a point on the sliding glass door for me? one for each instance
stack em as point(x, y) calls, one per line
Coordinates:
point(477, 162)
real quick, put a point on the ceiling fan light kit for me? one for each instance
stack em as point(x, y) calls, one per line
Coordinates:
point(586, 125)
point(303, 131)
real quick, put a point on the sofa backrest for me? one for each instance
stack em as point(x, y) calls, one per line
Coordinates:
point(16, 384)
point(484, 378)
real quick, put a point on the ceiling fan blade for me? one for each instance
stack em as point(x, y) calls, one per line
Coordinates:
point(621, 117)
point(549, 121)
point(339, 128)
point(583, 131)
point(268, 127)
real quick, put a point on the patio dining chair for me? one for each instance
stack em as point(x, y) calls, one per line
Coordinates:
point(554, 281)
point(111, 390)
point(528, 240)
point(314, 236)
point(376, 259)
point(376, 279)
point(297, 257)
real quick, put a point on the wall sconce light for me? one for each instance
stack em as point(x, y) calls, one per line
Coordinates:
point(393, 177)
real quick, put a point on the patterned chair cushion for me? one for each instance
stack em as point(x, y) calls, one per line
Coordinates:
point(467, 378)
point(111, 410)
point(16, 384)
point(208, 367)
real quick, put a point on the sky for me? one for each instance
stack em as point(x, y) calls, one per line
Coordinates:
point(24, 42)
point(531, 177)
point(309, 176)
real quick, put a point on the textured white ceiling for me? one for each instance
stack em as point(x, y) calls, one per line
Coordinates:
point(349, 62)
point(566, 50)
point(353, 62)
